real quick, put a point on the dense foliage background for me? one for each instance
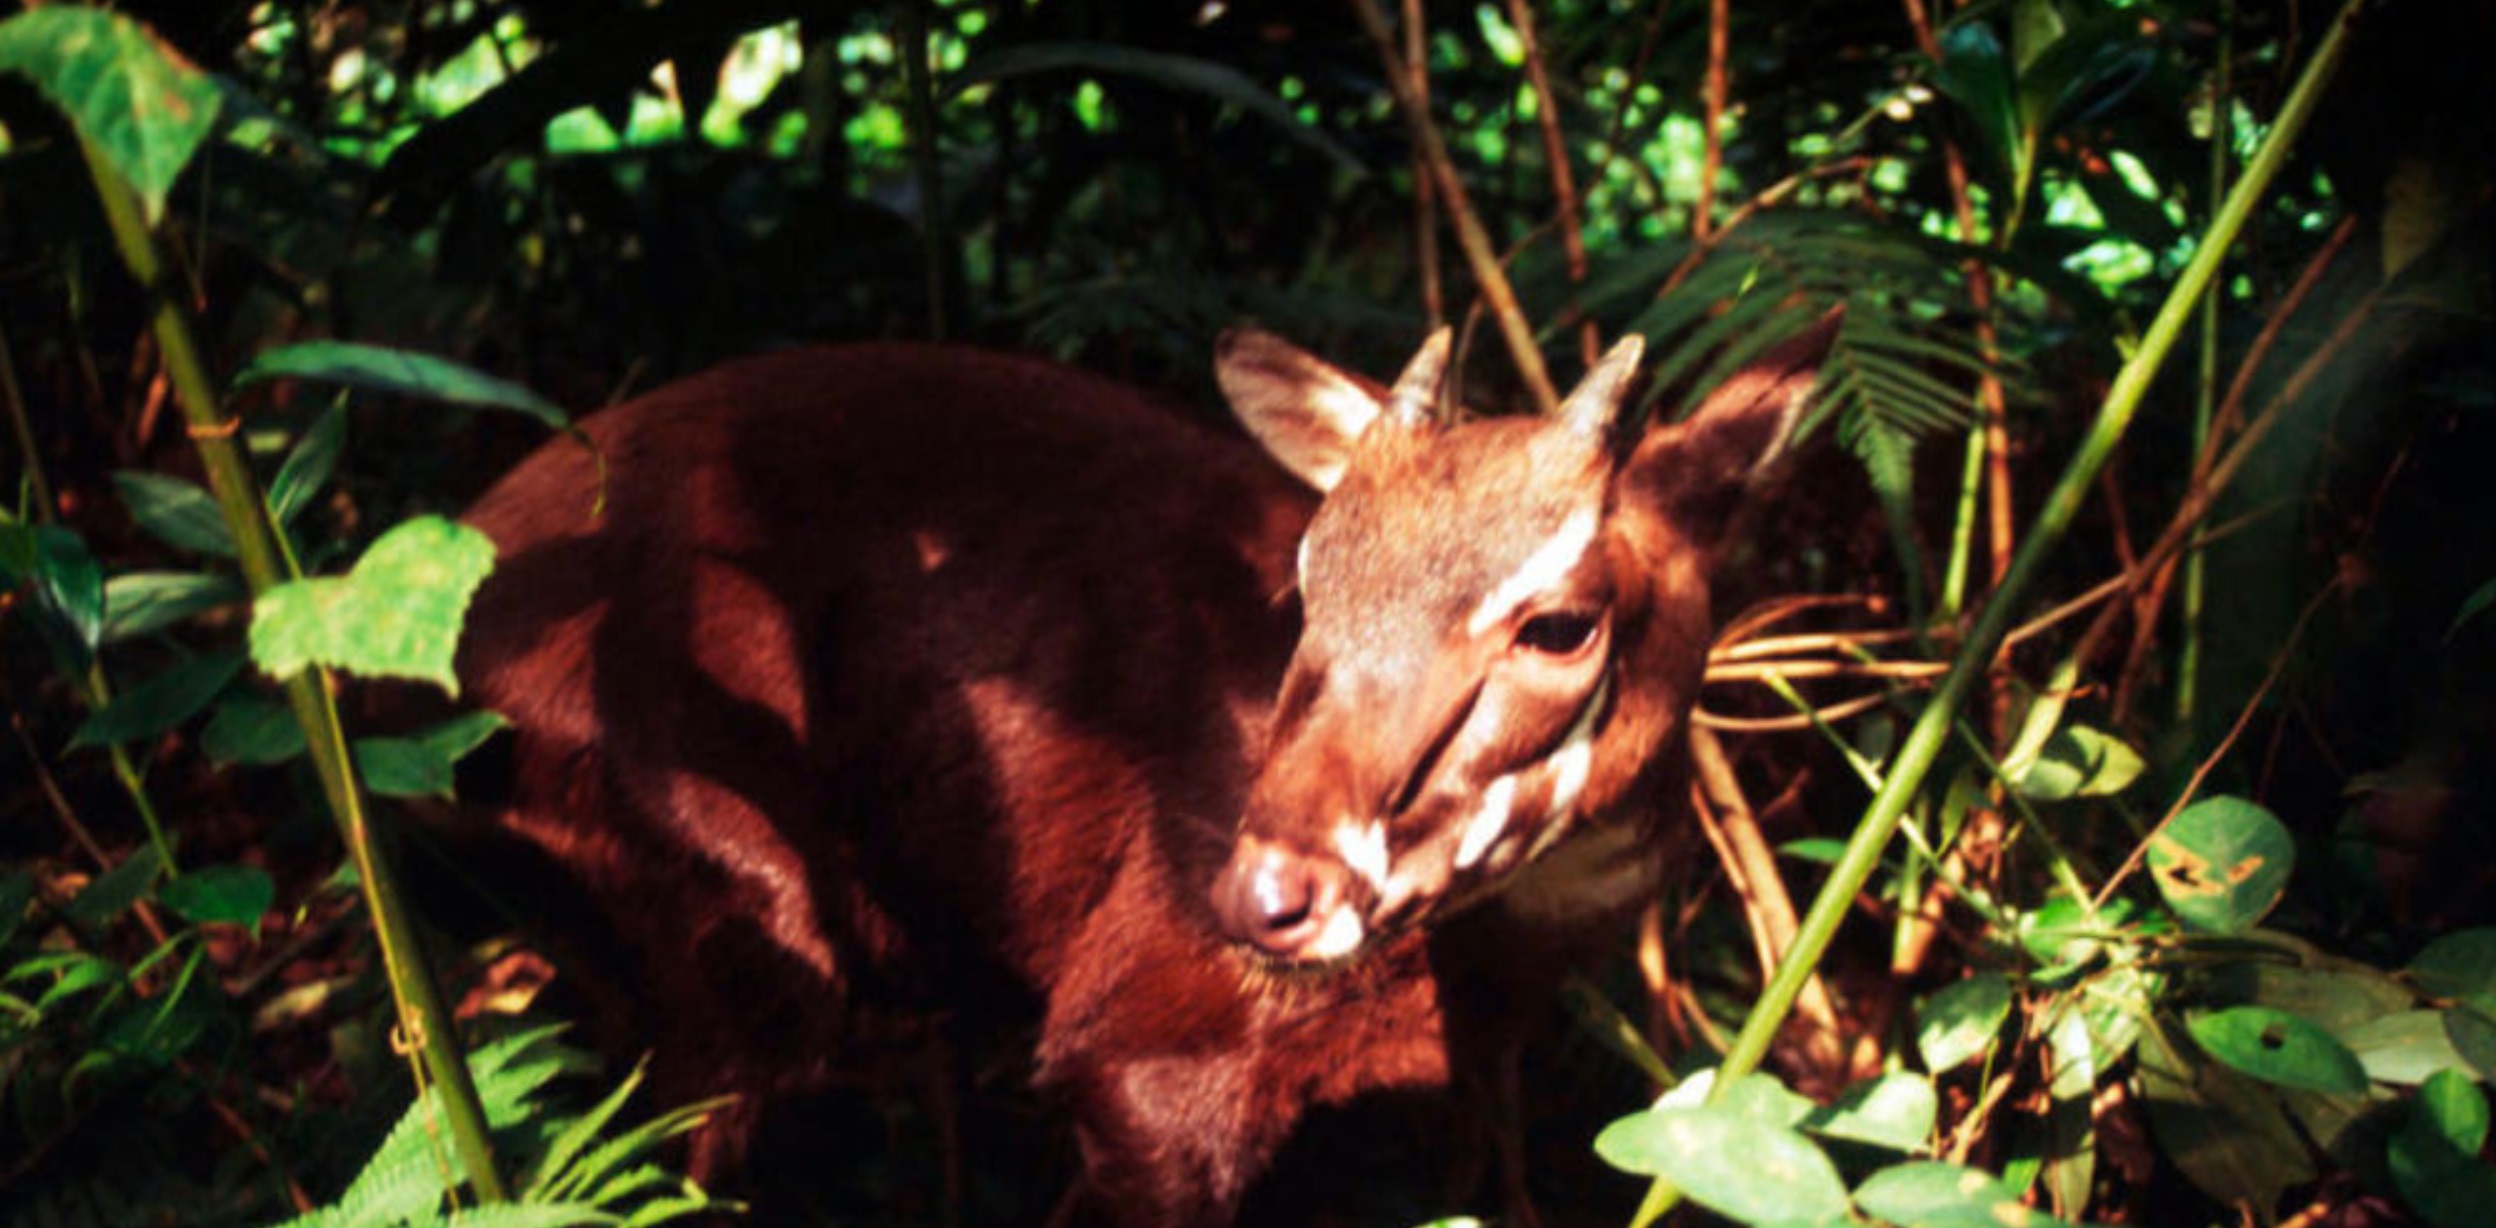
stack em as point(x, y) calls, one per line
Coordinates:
point(2278, 1005)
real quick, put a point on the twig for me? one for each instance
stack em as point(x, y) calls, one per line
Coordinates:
point(1563, 180)
point(1425, 193)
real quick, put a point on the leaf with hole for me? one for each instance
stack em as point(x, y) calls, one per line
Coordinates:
point(2222, 864)
point(180, 513)
point(377, 368)
point(1931, 1194)
point(1960, 1022)
point(161, 702)
point(396, 614)
point(142, 106)
point(1736, 1165)
point(2225, 1132)
point(2277, 1047)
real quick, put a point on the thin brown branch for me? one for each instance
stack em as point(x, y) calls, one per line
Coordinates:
point(1726, 817)
point(1425, 193)
point(1498, 296)
point(1712, 160)
point(1556, 153)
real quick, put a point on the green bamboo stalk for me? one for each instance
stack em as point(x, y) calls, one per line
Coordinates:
point(1932, 727)
point(2196, 564)
point(310, 694)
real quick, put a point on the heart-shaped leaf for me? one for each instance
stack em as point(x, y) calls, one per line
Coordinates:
point(143, 107)
point(2222, 864)
point(397, 614)
point(1737, 1165)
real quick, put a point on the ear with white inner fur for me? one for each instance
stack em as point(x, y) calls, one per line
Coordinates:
point(1695, 471)
point(1304, 410)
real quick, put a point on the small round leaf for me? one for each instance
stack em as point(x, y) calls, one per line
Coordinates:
point(2222, 864)
point(1736, 1165)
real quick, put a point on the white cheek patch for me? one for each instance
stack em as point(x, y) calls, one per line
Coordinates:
point(1542, 569)
point(1341, 937)
point(1570, 766)
point(1498, 806)
point(1300, 564)
point(1364, 848)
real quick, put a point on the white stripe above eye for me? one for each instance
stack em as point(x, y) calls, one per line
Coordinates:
point(1499, 802)
point(1545, 567)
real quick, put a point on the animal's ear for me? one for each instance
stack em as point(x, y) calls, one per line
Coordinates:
point(1695, 471)
point(1309, 413)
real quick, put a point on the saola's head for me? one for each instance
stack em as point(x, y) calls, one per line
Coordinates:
point(1506, 621)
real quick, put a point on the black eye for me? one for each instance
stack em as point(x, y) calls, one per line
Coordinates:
point(1558, 634)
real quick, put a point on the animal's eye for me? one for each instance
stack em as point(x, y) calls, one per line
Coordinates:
point(1560, 633)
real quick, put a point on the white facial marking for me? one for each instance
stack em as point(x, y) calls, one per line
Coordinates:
point(1341, 937)
point(1570, 766)
point(1364, 848)
point(1542, 569)
point(1498, 804)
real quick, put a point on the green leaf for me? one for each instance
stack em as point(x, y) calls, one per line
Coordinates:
point(382, 369)
point(2277, 1047)
point(2473, 1036)
point(144, 602)
point(2460, 965)
point(252, 730)
point(2433, 1156)
point(143, 107)
point(161, 702)
point(1895, 1110)
point(2223, 1131)
point(2222, 864)
point(235, 894)
point(421, 766)
point(1735, 1165)
point(1959, 1023)
point(68, 589)
point(308, 466)
point(2079, 761)
point(1931, 1194)
point(2404, 1047)
point(1975, 73)
point(112, 893)
point(2471, 607)
point(1757, 1096)
point(1185, 74)
point(179, 513)
point(396, 615)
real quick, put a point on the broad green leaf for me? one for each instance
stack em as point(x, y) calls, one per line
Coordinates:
point(2404, 1047)
point(161, 702)
point(1931, 1194)
point(2222, 864)
point(179, 513)
point(397, 614)
point(1756, 1096)
point(111, 893)
point(144, 602)
point(234, 894)
point(1895, 1110)
point(2079, 761)
point(2225, 1132)
point(308, 466)
point(2473, 1036)
point(143, 107)
point(2433, 1155)
point(1960, 1021)
point(2062, 937)
point(252, 730)
point(2082, 74)
point(2336, 994)
point(2277, 1047)
point(2460, 965)
point(382, 369)
point(421, 766)
point(1735, 1165)
point(1976, 73)
point(1186, 74)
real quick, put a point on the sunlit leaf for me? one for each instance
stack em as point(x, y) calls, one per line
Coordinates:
point(2433, 1155)
point(1736, 1165)
point(2222, 864)
point(2405, 1047)
point(2224, 1131)
point(2079, 761)
point(1960, 1022)
point(142, 106)
point(1895, 1110)
point(397, 614)
point(2277, 1047)
point(382, 369)
point(1931, 1194)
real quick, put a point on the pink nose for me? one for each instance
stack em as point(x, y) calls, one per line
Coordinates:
point(1277, 900)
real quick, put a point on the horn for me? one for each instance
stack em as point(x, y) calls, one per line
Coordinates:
point(1594, 403)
